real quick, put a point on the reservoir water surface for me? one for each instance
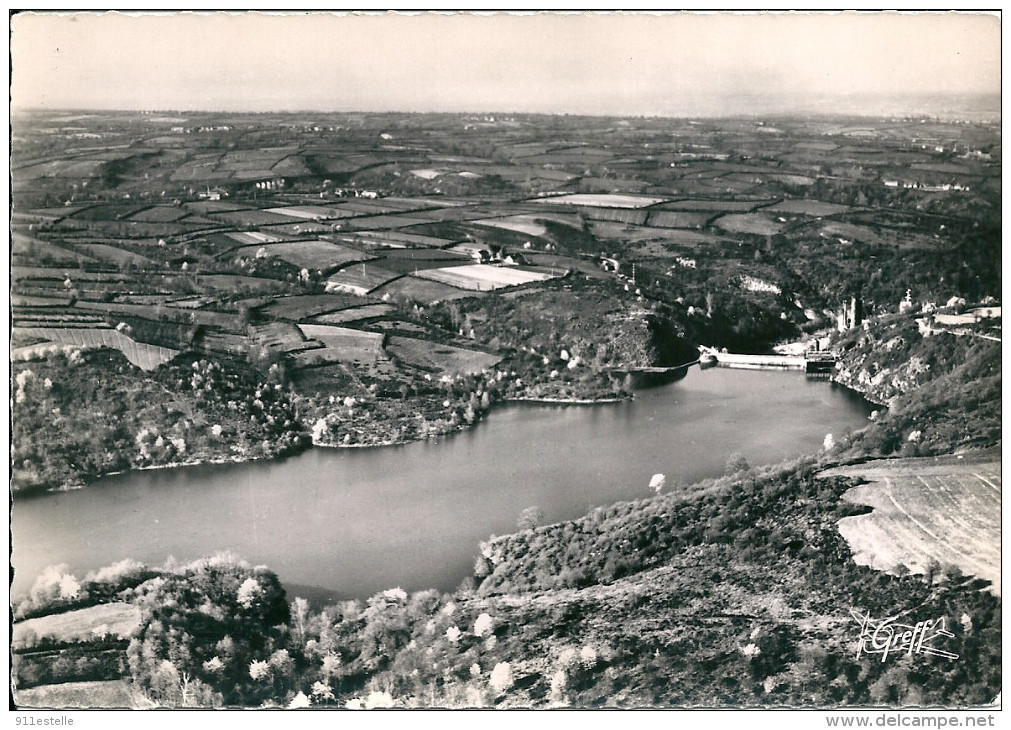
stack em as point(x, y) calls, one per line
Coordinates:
point(356, 521)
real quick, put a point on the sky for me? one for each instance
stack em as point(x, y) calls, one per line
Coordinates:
point(578, 63)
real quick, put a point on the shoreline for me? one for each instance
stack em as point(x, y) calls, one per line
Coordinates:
point(236, 459)
point(856, 389)
point(567, 401)
point(28, 493)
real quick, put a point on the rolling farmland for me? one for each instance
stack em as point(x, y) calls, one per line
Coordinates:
point(609, 246)
point(945, 510)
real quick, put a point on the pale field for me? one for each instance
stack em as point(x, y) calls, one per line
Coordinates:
point(119, 619)
point(482, 277)
point(143, 355)
point(926, 510)
point(71, 695)
point(605, 200)
point(252, 237)
point(308, 212)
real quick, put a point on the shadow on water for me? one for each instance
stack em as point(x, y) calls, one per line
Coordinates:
point(656, 377)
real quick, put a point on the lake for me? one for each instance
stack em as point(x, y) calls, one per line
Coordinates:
point(356, 521)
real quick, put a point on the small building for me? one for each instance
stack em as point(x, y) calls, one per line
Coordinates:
point(213, 194)
point(609, 264)
point(475, 249)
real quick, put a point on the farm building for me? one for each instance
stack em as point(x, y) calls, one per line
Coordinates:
point(478, 251)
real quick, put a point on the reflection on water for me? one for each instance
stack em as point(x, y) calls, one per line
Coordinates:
point(356, 521)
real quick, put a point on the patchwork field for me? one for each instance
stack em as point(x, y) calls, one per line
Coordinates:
point(945, 510)
point(252, 218)
point(409, 260)
point(312, 255)
point(312, 212)
point(729, 206)
point(754, 223)
point(190, 302)
point(235, 283)
point(483, 277)
point(678, 218)
point(156, 311)
point(362, 206)
point(36, 250)
point(398, 238)
point(463, 213)
point(355, 314)
point(160, 214)
point(422, 290)
point(299, 228)
point(629, 216)
point(558, 264)
point(252, 237)
point(359, 279)
point(214, 206)
point(23, 273)
point(308, 305)
point(808, 207)
point(527, 224)
point(383, 222)
point(112, 254)
point(638, 237)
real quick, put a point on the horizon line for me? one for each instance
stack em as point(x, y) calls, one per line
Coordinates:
point(800, 110)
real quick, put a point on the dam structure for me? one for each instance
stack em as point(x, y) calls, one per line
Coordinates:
point(812, 362)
